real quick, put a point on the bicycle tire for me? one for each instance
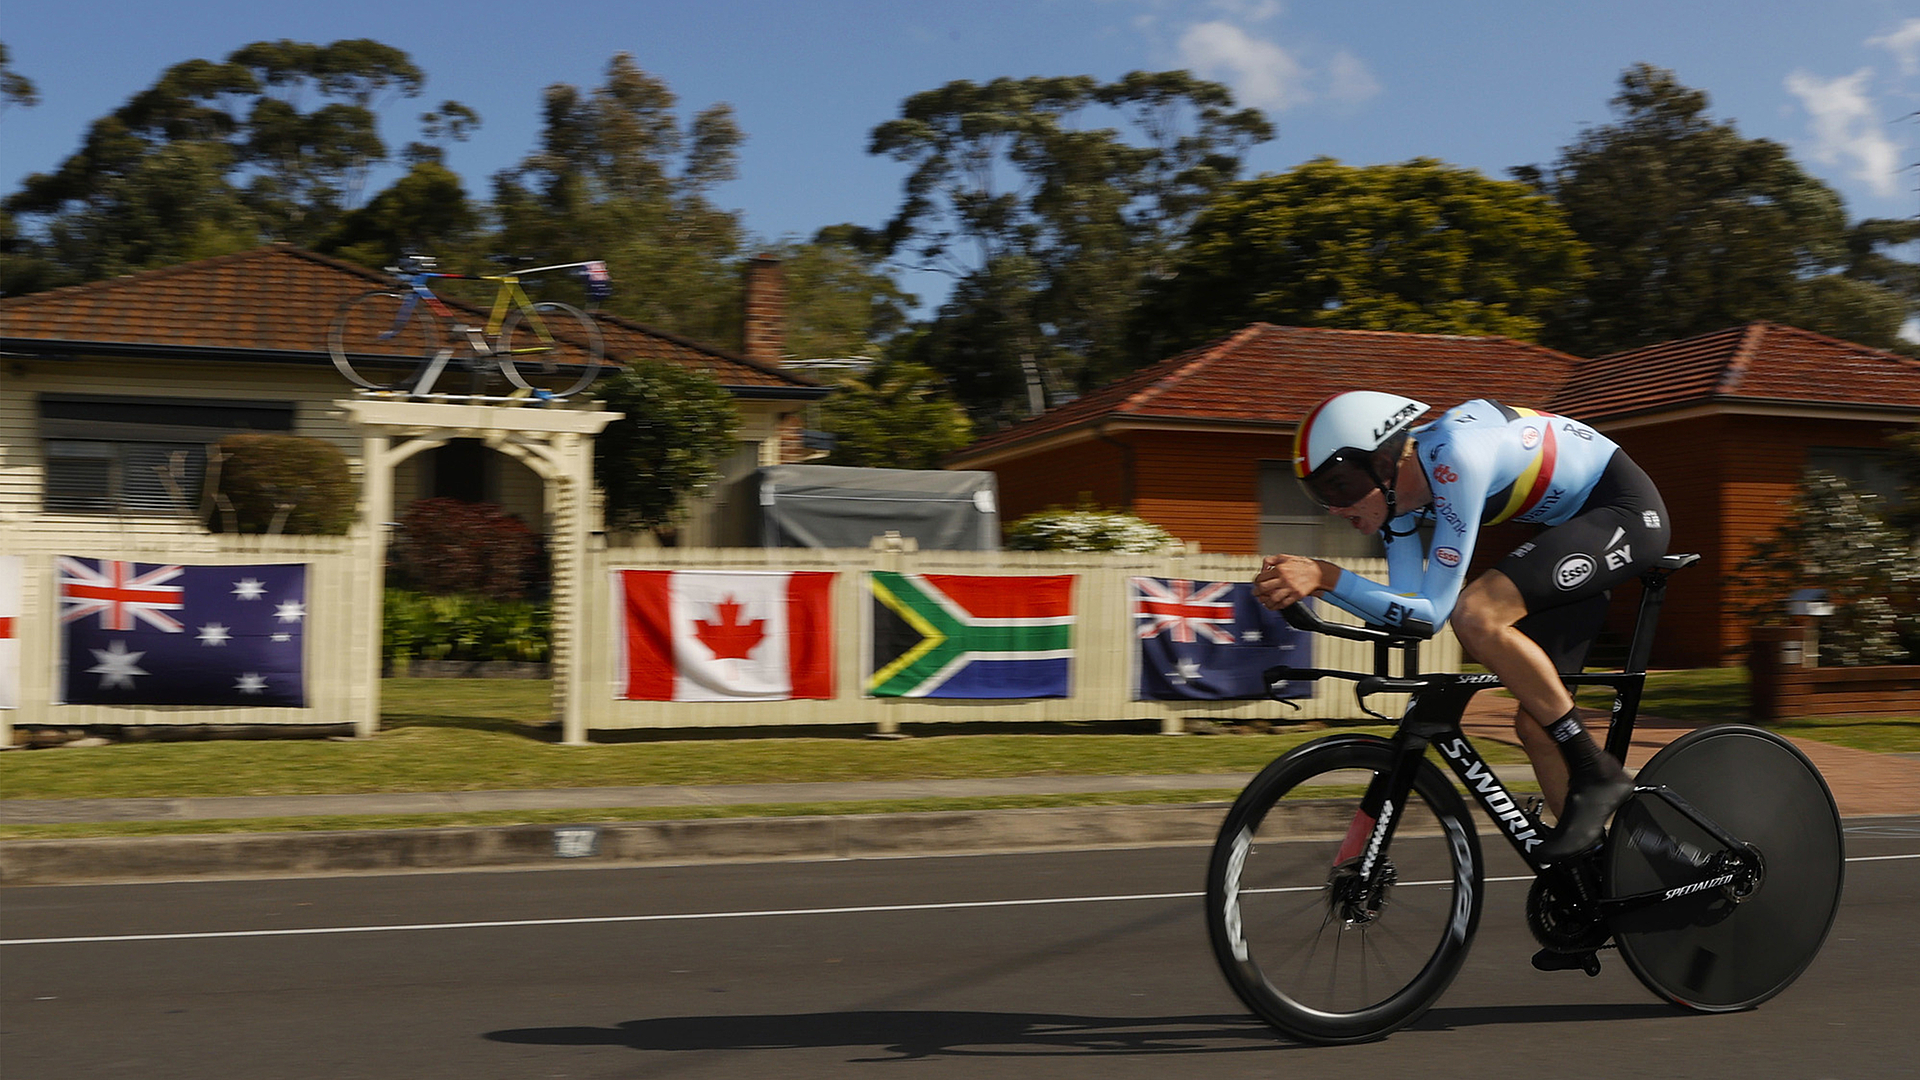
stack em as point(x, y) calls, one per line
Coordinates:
point(373, 348)
point(1272, 903)
point(572, 341)
point(1702, 950)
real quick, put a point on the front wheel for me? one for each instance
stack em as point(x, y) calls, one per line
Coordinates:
point(551, 347)
point(1732, 945)
point(1311, 947)
point(380, 340)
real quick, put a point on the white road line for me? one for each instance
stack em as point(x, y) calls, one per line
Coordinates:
point(692, 916)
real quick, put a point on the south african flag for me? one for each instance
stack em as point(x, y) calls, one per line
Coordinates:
point(971, 636)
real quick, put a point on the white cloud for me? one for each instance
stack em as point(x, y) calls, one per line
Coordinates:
point(1904, 43)
point(1267, 75)
point(1349, 81)
point(1261, 73)
point(1847, 128)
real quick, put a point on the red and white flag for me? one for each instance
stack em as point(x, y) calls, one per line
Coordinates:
point(11, 609)
point(703, 635)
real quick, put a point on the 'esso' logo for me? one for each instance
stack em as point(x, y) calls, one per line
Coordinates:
point(1529, 437)
point(1446, 556)
point(1573, 571)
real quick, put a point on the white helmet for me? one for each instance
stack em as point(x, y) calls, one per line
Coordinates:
point(1337, 452)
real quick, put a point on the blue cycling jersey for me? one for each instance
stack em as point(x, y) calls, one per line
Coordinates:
point(1486, 463)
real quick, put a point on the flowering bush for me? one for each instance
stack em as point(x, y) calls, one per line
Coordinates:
point(1836, 540)
point(447, 547)
point(1086, 529)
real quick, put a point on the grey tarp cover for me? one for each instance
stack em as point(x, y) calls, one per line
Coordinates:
point(832, 506)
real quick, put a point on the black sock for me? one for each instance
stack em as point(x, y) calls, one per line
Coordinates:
point(1584, 758)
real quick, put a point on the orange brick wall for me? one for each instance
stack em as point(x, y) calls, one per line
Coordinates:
point(1057, 477)
point(1727, 481)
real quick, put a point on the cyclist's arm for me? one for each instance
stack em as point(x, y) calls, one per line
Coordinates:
point(1420, 598)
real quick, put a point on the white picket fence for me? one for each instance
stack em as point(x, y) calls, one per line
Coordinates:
point(1105, 648)
point(342, 638)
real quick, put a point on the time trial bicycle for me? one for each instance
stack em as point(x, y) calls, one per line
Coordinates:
point(1346, 884)
point(397, 339)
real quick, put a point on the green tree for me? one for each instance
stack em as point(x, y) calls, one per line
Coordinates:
point(899, 416)
point(219, 156)
point(841, 303)
point(1693, 228)
point(1418, 247)
point(1048, 223)
point(15, 88)
point(615, 177)
point(425, 210)
point(678, 425)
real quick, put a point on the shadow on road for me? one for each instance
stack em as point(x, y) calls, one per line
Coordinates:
point(904, 1034)
point(1479, 1016)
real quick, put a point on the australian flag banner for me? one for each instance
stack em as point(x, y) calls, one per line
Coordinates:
point(1210, 640)
point(154, 634)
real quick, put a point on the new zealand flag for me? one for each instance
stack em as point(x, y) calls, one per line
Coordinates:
point(1210, 640)
point(152, 634)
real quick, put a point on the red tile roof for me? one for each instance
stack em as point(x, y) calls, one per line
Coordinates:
point(276, 302)
point(1759, 362)
point(1270, 376)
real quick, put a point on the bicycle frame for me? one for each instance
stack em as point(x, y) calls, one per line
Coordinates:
point(507, 297)
point(1433, 719)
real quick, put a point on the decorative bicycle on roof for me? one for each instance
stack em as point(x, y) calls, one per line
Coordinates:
point(401, 340)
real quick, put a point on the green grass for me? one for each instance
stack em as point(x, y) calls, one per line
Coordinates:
point(478, 735)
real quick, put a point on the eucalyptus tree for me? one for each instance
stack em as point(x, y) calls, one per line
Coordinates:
point(1418, 247)
point(1692, 227)
point(273, 142)
point(1047, 222)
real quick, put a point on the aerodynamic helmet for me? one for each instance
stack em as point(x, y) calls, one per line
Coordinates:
point(1350, 444)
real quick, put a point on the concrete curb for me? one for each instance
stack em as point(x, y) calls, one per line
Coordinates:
point(99, 860)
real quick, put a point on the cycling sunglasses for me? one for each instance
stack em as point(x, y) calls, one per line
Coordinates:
point(1342, 480)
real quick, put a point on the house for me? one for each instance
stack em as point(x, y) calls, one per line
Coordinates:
point(110, 391)
point(1200, 443)
point(1726, 424)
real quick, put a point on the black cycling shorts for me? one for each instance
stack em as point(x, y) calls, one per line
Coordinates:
point(1567, 573)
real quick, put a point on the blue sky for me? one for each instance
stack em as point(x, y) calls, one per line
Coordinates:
point(1486, 85)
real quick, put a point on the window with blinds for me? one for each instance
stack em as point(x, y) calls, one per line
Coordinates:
point(138, 456)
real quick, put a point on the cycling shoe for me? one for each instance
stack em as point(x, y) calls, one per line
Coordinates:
point(1583, 820)
point(1549, 960)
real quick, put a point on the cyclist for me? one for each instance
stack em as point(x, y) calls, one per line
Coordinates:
point(1536, 612)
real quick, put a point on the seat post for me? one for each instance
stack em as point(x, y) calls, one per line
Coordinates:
point(1653, 595)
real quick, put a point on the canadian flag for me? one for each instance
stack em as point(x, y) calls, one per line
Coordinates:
point(11, 568)
point(702, 635)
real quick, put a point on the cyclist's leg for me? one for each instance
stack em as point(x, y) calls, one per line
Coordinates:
point(1565, 634)
point(1563, 577)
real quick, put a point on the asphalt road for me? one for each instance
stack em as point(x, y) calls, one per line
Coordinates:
point(1058, 964)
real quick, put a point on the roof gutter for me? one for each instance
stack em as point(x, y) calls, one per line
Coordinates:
point(69, 351)
point(1722, 406)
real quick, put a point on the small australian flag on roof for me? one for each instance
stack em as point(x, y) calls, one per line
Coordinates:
point(159, 634)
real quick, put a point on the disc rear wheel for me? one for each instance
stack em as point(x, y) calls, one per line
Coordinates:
point(1735, 944)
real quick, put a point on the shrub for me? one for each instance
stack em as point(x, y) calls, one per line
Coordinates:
point(415, 626)
point(447, 547)
point(282, 484)
point(1087, 528)
point(1835, 539)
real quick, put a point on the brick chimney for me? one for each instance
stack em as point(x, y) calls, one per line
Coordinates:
point(766, 310)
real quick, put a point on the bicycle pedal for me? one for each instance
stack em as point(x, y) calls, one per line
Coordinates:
point(1548, 960)
point(1534, 805)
